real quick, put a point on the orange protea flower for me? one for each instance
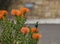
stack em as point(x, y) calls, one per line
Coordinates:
point(16, 12)
point(4, 12)
point(34, 30)
point(19, 13)
point(27, 10)
point(36, 36)
point(1, 12)
point(13, 12)
point(23, 9)
point(25, 30)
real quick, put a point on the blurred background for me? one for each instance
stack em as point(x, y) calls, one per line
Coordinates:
point(40, 9)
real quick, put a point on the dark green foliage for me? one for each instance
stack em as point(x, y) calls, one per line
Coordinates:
point(36, 24)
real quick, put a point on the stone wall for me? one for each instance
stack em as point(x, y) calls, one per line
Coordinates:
point(41, 9)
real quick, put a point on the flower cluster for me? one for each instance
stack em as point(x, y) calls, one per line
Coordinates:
point(17, 33)
point(14, 12)
point(3, 13)
point(34, 31)
point(19, 12)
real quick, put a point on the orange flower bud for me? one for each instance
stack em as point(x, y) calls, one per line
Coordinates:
point(1, 12)
point(19, 13)
point(23, 9)
point(4, 12)
point(25, 30)
point(36, 36)
point(16, 12)
point(34, 30)
point(13, 12)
